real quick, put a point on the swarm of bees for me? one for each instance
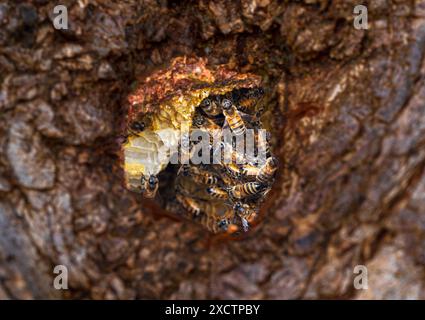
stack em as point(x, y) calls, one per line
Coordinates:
point(224, 196)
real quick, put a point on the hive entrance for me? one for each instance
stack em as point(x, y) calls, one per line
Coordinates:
point(202, 152)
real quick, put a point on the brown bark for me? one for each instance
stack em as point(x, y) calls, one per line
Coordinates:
point(348, 119)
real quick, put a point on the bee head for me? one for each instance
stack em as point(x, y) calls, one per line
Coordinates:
point(153, 181)
point(259, 92)
point(198, 121)
point(222, 224)
point(226, 104)
point(206, 103)
point(238, 208)
point(137, 126)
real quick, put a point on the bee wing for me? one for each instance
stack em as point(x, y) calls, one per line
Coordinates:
point(249, 120)
point(245, 224)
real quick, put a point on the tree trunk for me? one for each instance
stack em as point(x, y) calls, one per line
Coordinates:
point(347, 114)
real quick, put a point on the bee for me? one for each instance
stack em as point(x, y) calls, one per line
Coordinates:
point(149, 186)
point(214, 224)
point(233, 170)
point(211, 107)
point(136, 127)
point(213, 129)
point(267, 171)
point(266, 192)
point(205, 178)
point(264, 144)
point(230, 155)
point(223, 223)
point(198, 121)
point(233, 117)
point(238, 158)
point(248, 189)
point(217, 193)
point(189, 204)
point(219, 224)
point(200, 176)
point(249, 100)
point(249, 171)
point(245, 211)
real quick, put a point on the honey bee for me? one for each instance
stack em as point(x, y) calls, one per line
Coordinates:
point(210, 106)
point(149, 186)
point(214, 130)
point(215, 224)
point(245, 211)
point(249, 171)
point(267, 171)
point(136, 127)
point(233, 117)
point(264, 144)
point(200, 176)
point(248, 189)
point(233, 170)
point(249, 100)
point(223, 224)
point(230, 155)
point(205, 178)
point(238, 158)
point(217, 193)
point(198, 121)
point(189, 204)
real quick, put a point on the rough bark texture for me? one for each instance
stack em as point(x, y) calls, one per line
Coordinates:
point(348, 121)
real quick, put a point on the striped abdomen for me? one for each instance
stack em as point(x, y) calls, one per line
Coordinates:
point(267, 171)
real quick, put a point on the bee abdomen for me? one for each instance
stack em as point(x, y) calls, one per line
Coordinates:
point(189, 204)
point(267, 171)
point(206, 178)
point(234, 120)
point(249, 171)
point(216, 224)
point(247, 189)
point(233, 170)
point(217, 193)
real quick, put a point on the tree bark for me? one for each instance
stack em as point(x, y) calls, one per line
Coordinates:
point(346, 110)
